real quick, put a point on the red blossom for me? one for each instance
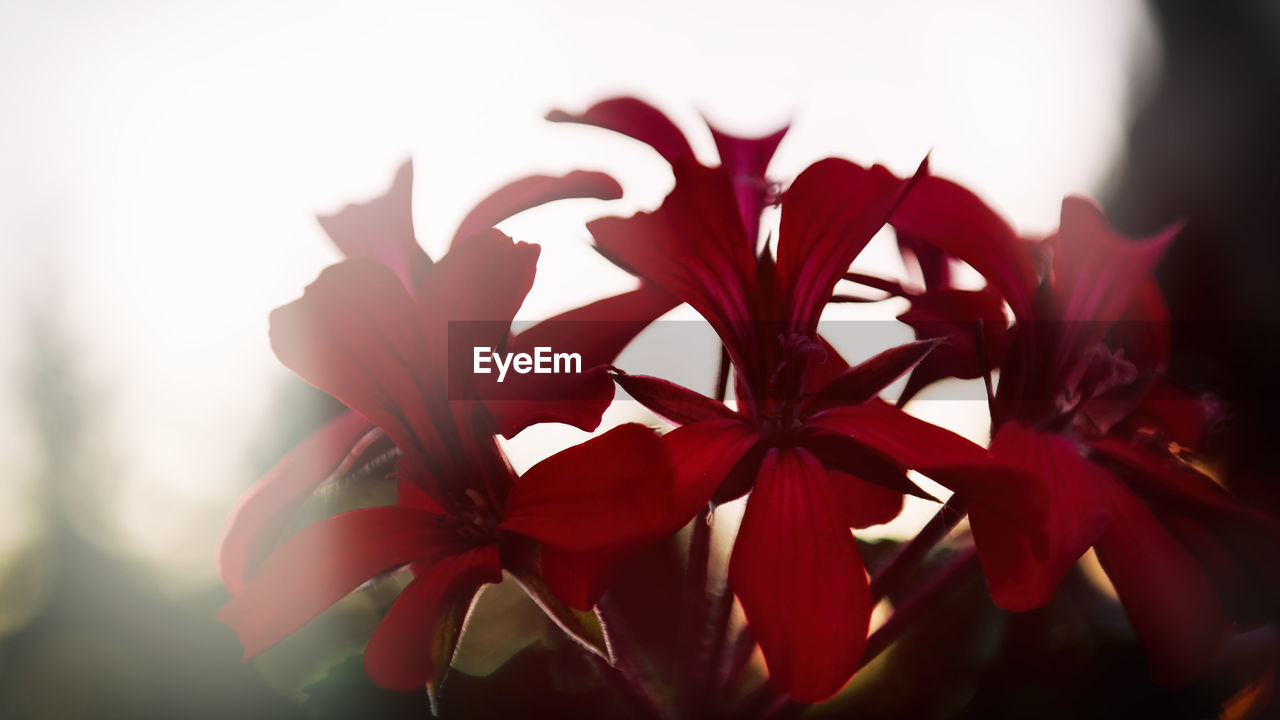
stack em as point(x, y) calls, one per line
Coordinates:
point(810, 439)
point(372, 331)
point(1089, 339)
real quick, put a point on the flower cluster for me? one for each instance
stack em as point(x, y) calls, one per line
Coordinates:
point(1092, 445)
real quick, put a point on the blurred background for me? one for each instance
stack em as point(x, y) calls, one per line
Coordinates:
point(161, 165)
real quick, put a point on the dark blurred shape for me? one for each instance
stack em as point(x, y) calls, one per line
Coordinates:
point(1205, 148)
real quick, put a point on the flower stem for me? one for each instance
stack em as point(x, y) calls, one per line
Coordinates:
point(695, 603)
point(734, 662)
point(701, 630)
point(908, 557)
point(722, 375)
point(626, 675)
point(906, 612)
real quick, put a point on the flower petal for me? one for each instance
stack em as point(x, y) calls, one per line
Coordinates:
point(797, 571)
point(1016, 494)
point(864, 381)
point(823, 367)
point(840, 453)
point(863, 504)
point(746, 160)
point(829, 214)
point(1169, 599)
point(1098, 274)
point(954, 317)
point(579, 578)
point(611, 489)
point(693, 248)
point(316, 566)
point(382, 230)
point(1233, 541)
point(704, 455)
point(945, 215)
point(483, 281)
point(264, 512)
point(414, 643)
point(354, 334)
point(598, 332)
point(636, 119)
point(676, 403)
point(1019, 576)
point(530, 192)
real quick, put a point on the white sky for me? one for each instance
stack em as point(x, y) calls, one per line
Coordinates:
point(161, 164)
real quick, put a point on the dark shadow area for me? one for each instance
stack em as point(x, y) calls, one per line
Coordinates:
point(1204, 149)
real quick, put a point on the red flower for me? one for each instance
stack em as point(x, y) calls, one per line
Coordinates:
point(382, 230)
point(1088, 341)
point(818, 450)
point(373, 333)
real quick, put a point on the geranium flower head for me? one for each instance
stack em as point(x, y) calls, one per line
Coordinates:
point(373, 332)
point(810, 439)
point(1089, 340)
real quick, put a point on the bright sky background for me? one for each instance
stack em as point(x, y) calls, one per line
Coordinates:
point(161, 164)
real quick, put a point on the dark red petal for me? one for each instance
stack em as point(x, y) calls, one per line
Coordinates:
point(1143, 331)
point(1237, 541)
point(863, 504)
point(611, 489)
point(1166, 480)
point(674, 402)
point(945, 215)
point(954, 316)
point(577, 399)
point(746, 160)
point(797, 571)
point(382, 230)
point(598, 332)
point(1098, 273)
point(410, 494)
point(934, 265)
point(1172, 412)
point(316, 566)
point(414, 642)
point(265, 511)
point(693, 248)
point(840, 453)
point(1016, 494)
point(483, 281)
point(864, 381)
point(532, 191)
point(824, 366)
point(355, 335)
point(829, 214)
point(704, 454)
point(580, 578)
point(636, 119)
point(1170, 600)
point(1020, 577)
